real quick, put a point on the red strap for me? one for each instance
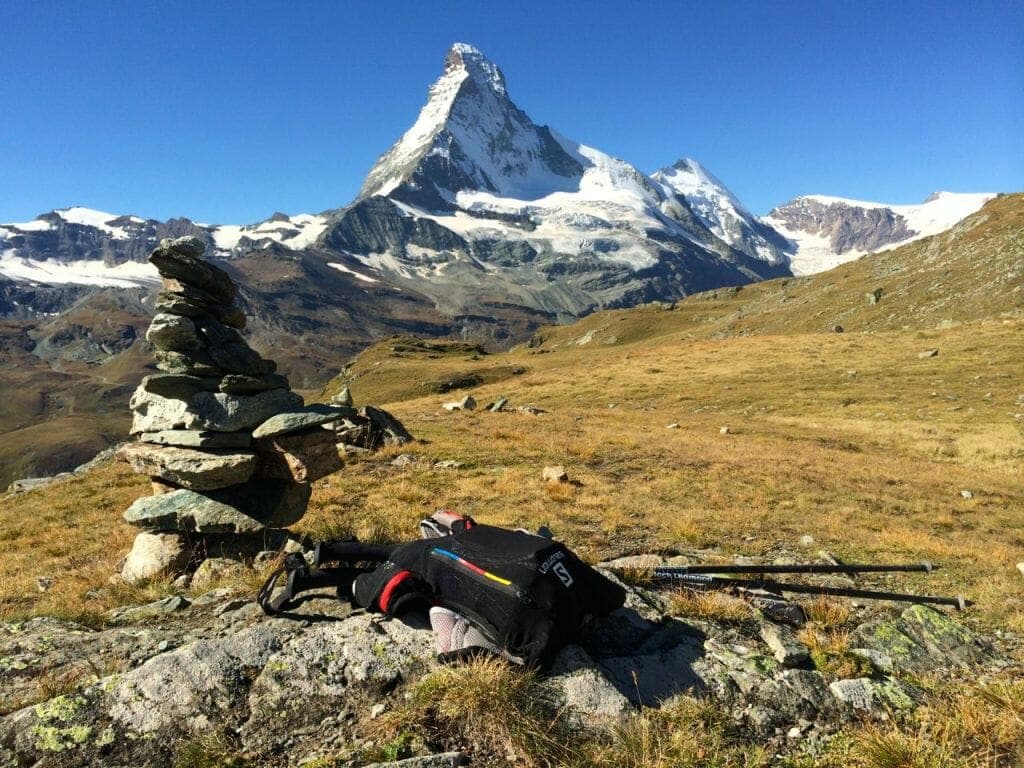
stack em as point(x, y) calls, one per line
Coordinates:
point(390, 587)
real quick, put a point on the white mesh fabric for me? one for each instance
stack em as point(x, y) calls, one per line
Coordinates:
point(453, 632)
point(443, 622)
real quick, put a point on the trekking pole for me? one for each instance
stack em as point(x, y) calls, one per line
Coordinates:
point(922, 567)
point(700, 581)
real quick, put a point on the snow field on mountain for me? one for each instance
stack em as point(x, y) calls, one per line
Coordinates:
point(227, 236)
point(84, 272)
point(814, 253)
point(356, 275)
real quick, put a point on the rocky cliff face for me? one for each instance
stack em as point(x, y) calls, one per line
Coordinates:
point(846, 227)
point(823, 232)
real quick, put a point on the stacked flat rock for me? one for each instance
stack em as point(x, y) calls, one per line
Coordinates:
point(231, 450)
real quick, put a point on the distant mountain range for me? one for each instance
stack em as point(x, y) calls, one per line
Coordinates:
point(478, 207)
point(478, 223)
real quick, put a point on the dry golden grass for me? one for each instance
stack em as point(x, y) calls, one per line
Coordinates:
point(500, 711)
point(686, 733)
point(869, 480)
point(70, 531)
point(710, 606)
point(977, 725)
point(844, 437)
point(827, 613)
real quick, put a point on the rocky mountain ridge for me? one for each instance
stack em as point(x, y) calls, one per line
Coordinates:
point(824, 232)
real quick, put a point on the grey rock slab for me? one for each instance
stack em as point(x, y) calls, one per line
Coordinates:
point(275, 503)
point(196, 362)
point(208, 411)
point(186, 510)
point(175, 302)
point(141, 613)
point(155, 413)
point(468, 403)
point(651, 679)
point(178, 385)
point(325, 661)
point(923, 639)
point(247, 508)
point(343, 398)
point(179, 260)
point(877, 696)
point(584, 689)
point(237, 384)
point(31, 483)
point(296, 420)
point(195, 438)
point(172, 332)
point(440, 760)
point(197, 470)
point(48, 648)
point(195, 686)
point(222, 412)
point(788, 651)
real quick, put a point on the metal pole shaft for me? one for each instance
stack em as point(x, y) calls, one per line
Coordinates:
point(924, 567)
point(710, 582)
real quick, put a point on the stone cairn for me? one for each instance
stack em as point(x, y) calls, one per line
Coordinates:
point(231, 450)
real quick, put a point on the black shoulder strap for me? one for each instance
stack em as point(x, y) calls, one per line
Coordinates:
point(301, 578)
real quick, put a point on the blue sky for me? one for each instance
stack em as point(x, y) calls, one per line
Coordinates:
point(227, 112)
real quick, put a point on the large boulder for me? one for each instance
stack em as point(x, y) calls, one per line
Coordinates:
point(154, 554)
point(371, 428)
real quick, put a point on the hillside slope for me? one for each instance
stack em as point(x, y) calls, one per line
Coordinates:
point(974, 271)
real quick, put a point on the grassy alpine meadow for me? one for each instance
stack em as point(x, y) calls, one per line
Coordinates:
point(892, 445)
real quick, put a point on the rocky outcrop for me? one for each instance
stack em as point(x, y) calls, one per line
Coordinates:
point(846, 227)
point(282, 691)
point(229, 446)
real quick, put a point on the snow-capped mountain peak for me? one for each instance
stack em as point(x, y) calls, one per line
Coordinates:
point(469, 135)
point(465, 57)
point(720, 210)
